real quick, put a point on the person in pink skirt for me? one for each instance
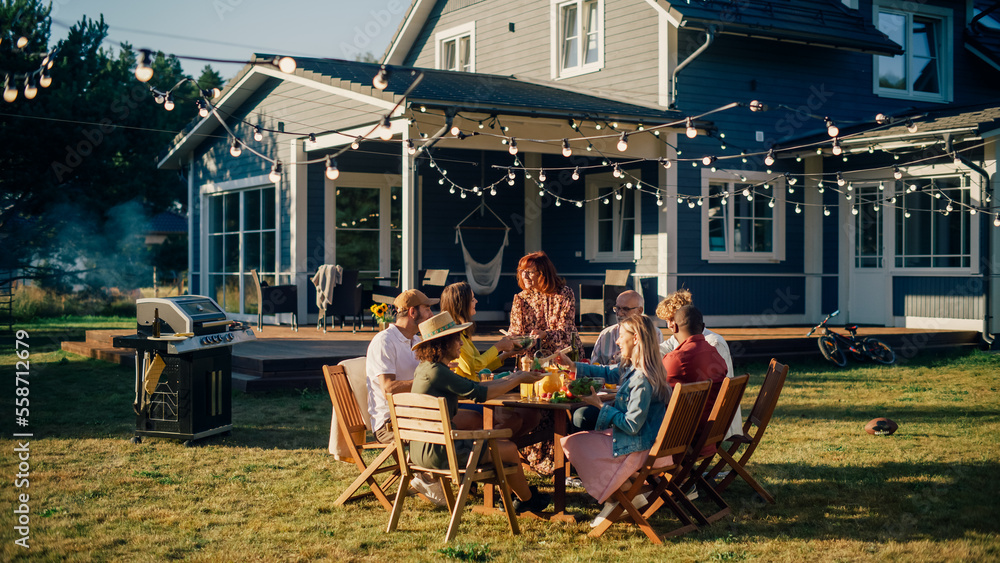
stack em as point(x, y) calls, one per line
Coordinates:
point(606, 457)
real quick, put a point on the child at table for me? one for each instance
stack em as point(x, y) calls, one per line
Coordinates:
point(625, 430)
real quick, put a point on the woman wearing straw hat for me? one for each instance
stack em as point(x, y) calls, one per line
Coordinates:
point(440, 343)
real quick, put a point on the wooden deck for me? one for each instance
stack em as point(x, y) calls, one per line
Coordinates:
point(283, 359)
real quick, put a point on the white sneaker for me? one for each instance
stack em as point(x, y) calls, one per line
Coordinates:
point(692, 494)
point(639, 502)
point(432, 490)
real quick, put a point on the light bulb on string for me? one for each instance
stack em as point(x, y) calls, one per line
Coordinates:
point(896, 173)
point(385, 130)
point(911, 126)
point(235, 150)
point(257, 134)
point(512, 146)
point(911, 188)
point(456, 130)
point(202, 108)
point(541, 175)
point(275, 175)
point(690, 130)
point(618, 195)
point(792, 180)
point(848, 197)
point(411, 148)
point(381, 80)
point(881, 119)
point(854, 210)
point(691, 204)
point(769, 159)
point(158, 97)
point(956, 160)
point(881, 186)
point(840, 179)
point(949, 208)
point(701, 201)
point(143, 72)
point(541, 192)
point(463, 196)
point(605, 201)
point(665, 162)
point(566, 150)
point(286, 65)
point(972, 211)
point(850, 186)
point(9, 93)
point(996, 221)
point(757, 106)
point(875, 206)
point(30, 90)
point(22, 42)
point(168, 102)
point(493, 191)
point(357, 143)
point(44, 80)
point(906, 214)
point(826, 212)
point(831, 128)
point(837, 150)
point(616, 172)
point(798, 208)
point(724, 198)
point(623, 142)
point(332, 172)
point(510, 173)
point(771, 202)
point(576, 174)
point(746, 192)
point(558, 202)
point(579, 204)
point(820, 187)
point(707, 160)
point(452, 190)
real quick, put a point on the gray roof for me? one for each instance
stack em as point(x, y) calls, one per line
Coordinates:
point(484, 93)
point(815, 22)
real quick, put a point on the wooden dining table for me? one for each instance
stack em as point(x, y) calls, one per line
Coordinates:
point(561, 413)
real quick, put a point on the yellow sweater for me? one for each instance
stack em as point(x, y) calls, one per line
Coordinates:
point(471, 362)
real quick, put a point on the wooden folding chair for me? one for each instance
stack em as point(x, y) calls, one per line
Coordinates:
point(663, 464)
point(753, 431)
point(423, 418)
point(713, 434)
point(353, 439)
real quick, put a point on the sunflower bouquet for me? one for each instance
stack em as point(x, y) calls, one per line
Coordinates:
point(383, 313)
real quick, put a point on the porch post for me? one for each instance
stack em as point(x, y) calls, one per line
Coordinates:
point(298, 204)
point(532, 208)
point(409, 266)
point(813, 259)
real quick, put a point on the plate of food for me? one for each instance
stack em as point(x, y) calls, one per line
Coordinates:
point(521, 341)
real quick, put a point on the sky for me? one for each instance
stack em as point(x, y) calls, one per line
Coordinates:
point(234, 29)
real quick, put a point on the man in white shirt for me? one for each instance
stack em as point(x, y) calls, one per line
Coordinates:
point(606, 351)
point(390, 361)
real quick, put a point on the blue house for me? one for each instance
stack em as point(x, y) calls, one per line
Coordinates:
point(779, 159)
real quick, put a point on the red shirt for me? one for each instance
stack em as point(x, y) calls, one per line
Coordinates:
point(697, 360)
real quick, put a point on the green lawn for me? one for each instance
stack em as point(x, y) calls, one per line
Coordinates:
point(266, 492)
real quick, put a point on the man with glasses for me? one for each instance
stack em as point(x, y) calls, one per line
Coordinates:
point(606, 352)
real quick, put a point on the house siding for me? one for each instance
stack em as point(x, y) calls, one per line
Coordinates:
point(938, 297)
point(747, 295)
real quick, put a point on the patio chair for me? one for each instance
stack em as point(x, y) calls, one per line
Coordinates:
point(599, 300)
point(753, 431)
point(425, 419)
point(713, 434)
point(663, 466)
point(346, 301)
point(351, 431)
point(432, 282)
point(275, 299)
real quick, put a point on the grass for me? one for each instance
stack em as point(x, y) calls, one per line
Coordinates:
point(266, 492)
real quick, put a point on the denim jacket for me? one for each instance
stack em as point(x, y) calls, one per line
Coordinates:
point(636, 415)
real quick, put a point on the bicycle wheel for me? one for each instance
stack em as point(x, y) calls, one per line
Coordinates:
point(828, 347)
point(879, 351)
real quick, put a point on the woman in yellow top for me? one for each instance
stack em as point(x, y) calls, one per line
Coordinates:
point(458, 300)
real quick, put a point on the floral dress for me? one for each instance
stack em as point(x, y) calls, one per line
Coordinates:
point(554, 313)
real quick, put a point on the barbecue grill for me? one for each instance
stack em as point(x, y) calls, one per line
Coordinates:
point(183, 367)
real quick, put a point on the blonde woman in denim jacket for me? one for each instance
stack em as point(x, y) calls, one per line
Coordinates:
point(606, 457)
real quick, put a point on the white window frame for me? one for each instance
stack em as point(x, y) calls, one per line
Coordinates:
point(556, 35)
point(946, 53)
point(593, 183)
point(455, 34)
point(920, 175)
point(384, 184)
point(730, 255)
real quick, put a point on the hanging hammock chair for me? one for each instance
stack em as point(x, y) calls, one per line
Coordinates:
point(483, 278)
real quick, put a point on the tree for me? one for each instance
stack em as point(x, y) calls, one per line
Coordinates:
point(78, 174)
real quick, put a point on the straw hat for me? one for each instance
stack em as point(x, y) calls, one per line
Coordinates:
point(437, 326)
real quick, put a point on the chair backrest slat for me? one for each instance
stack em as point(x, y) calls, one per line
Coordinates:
point(767, 399)
point(344, 403)
point(423, 418)
point(724, 409)
point(687, 402)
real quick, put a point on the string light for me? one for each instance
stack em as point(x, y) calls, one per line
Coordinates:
point(512, 149)
point(456, 130)
point(30, 91)
point(411, 148)
point(567, 151)
point(881, 119)
point(541, 175)
point(168, 102)
point(897, 173)
point(44, 80)
point(769, 159)
point(820, 187)
point(286, 64)
point(665, 162)
point(202, 108)
point(854, 210)
point(826, 212)
point(798, 209)
point(22, 42)
point(357, 143)
point(576, 173)
point(616, 172)
point(275, 175)
point(911, 126)
point(831, 128)
point(332, 172)
point(9, 93)
point(257, 134)
point(385, 130)
point(707, 160)
point(143, 72)
point(623, 142)
point(381, 80)
point(840, 179)
point(690, 131)
point(757, 106)
point(837, 150)
point(235, 150)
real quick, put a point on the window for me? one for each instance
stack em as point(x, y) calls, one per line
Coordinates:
point(241, 237)
point(612, 219)
point(868, 226)
point(742, 221)
point(578, 43)
point(456, 48)
point(361, 230)
point(927, 234)
point(923, 71)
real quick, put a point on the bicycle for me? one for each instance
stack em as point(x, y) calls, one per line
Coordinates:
point(833, 345)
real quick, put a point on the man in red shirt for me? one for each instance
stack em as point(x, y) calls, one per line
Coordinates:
point(694, 359)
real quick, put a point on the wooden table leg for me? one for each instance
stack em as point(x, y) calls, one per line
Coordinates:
point(489, 493)
point(559, 463)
